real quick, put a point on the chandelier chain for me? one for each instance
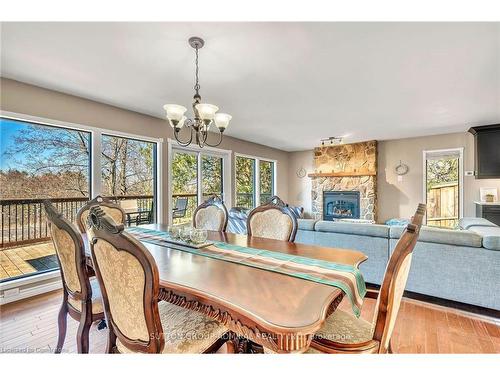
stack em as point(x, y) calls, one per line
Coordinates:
point(197, 84)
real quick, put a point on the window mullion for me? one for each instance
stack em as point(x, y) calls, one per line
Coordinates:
point(199, 179)
point(95, 168)
point(257, 182)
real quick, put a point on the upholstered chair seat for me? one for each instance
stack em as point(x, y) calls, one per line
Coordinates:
point(341, 327)
point(345, 328)
point(97, 306)
point(185, 331)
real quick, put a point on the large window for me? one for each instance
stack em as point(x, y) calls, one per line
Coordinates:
point(44, 159)
point(255, 181)
point(128, 175)
point(443, 187)
point(195, 176)
point(38, 162)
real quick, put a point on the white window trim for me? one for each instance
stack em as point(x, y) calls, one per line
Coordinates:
point(460, 151)
point(172, 146)
point(95, 171)
point(257, 159)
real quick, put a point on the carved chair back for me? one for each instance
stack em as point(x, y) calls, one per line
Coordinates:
point(112, 209)
point(394, 282)
point(129, 281)
point(70, 252)
point(273, 220)
point(211, 215)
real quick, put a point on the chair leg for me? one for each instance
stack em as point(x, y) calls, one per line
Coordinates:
point(110, 346)
point(82, 336)
point(231, 347)
point(62, 322)
point(389, 348)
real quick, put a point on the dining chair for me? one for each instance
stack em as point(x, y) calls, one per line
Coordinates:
point(211, 215)
point(344, 333)
point(180, 208)
point(112, 209)
point(81, 295)
point(272, 220)
point(147, 216)
point(129, 280)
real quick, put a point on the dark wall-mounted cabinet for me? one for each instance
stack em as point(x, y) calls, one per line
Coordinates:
point(487, 150)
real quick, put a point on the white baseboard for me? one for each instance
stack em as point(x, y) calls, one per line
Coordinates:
point(30, 291)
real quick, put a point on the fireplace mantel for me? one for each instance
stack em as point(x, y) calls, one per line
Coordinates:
point(342, 174)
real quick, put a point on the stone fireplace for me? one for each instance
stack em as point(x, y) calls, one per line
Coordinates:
point(344, 183)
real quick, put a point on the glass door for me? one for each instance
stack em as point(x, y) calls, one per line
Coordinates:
point(184, 186)
point(443, 187)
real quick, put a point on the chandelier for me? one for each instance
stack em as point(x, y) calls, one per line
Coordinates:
point(204, 114)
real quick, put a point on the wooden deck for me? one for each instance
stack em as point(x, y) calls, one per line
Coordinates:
point(13, 261)
point(30, 326)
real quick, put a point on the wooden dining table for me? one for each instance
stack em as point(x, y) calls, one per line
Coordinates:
point(274, 310)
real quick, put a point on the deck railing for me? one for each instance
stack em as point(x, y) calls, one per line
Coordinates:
point(246, 200)
point(23, 221)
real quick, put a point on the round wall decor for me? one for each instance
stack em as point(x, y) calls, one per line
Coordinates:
point(301, 172)
point(401, 169)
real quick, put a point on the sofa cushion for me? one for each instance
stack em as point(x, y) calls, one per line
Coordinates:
point(444, 236)
point(373, 230)
point(491, 236)
point(467, 222)
point(240, 213)
point(306, 224)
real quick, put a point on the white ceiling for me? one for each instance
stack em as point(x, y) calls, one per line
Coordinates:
point(286, 84)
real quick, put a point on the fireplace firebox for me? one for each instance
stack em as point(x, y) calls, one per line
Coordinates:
point(340, 205)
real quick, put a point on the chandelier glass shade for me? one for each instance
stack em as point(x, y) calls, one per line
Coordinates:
point(205, 115)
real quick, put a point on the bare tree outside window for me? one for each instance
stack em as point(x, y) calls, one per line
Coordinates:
point(127, 166)
point(41, 161)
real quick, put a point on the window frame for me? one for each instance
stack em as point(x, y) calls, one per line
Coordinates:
point(460, 152)
point(257, 159)
point(31, 283)
point(173, 146)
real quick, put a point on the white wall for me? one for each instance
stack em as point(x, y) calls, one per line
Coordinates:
point(299, 189)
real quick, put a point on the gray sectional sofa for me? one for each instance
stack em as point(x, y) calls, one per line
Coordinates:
point(459, 265)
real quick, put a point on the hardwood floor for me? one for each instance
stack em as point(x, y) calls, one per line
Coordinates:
point(31, 326)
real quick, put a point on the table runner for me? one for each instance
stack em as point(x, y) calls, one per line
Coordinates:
point(345, 277)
